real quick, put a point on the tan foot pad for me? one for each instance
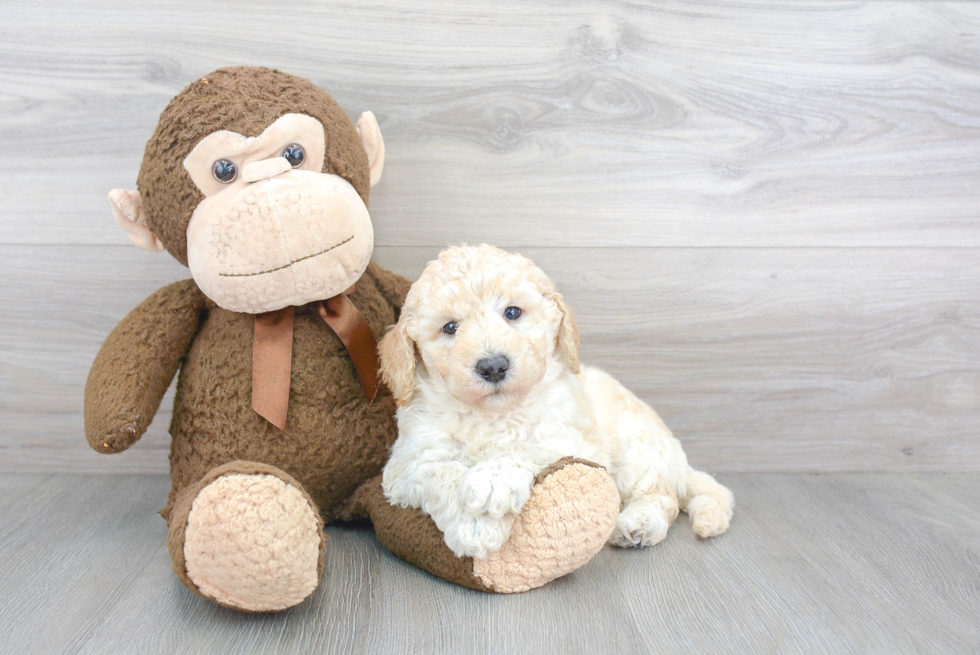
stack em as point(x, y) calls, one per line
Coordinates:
point(253, 543)
point(567, 520)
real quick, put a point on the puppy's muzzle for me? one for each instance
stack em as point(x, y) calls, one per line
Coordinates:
point(493, 369)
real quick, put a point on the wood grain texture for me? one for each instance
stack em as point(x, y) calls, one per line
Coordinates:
point(812, 563)
point(812, 123)
point(765, 213)
point(758, 359)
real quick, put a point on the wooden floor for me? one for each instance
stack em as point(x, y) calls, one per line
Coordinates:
point(886, 563)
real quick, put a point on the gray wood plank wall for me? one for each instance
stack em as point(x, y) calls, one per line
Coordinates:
point(766, 214)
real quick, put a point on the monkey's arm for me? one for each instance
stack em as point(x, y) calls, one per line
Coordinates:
point(136, 364)
point(392, 285)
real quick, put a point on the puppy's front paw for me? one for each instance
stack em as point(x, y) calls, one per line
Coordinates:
point(495, 488)
point(478, 537)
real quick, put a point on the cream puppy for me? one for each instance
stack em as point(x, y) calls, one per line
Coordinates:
point(484, 365)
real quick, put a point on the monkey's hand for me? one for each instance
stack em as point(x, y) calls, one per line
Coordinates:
point(136, 364)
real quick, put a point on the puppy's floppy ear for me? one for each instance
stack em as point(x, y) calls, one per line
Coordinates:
point(567, 333)
point(397, 352)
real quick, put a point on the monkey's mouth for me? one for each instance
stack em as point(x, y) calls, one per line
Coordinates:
point(295, 261)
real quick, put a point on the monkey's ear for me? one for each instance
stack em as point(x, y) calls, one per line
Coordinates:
point(127, 209)
point(373, 142)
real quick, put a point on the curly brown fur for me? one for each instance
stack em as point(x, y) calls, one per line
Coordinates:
point(334, 439)
point(136, 364)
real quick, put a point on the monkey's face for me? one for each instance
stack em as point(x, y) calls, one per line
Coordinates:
point(259, 182)
point(273, 230)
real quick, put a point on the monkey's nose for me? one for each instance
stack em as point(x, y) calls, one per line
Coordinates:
point(493, 369)
point(263, 170)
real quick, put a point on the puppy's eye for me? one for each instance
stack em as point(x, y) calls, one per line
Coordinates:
point(512, 313)
point(450, 327)
point(225, 171)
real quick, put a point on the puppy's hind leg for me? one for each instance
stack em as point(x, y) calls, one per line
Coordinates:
point(645, 519)
point(709, 504)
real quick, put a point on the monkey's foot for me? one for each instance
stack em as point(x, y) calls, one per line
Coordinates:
point(248, 537)
point(570, 515)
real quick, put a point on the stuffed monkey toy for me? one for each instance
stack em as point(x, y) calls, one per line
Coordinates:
point(258, 182)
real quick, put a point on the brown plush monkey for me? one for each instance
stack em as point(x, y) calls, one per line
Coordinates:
point(258, 181)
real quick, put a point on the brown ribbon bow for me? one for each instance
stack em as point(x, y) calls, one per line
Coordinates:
point(272, 351)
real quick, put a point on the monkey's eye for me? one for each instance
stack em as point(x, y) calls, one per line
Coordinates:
point(512, 313)
point(225, 171)
point(295, 155)
point(450, 327)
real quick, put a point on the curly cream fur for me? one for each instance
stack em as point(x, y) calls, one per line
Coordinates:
point(468, 449)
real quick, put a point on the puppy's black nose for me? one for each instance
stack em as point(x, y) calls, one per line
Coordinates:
point(493, 369)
